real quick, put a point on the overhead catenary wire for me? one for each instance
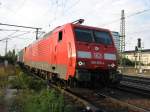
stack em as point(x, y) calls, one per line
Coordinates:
point(37, 29)
point(128, 16)
point(18, 26)
point(64, 8)
point(9, 30)
point(10, 36)
point(137, 13)
point(5, 38)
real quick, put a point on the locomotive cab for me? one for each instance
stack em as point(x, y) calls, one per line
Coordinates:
point(95, 54)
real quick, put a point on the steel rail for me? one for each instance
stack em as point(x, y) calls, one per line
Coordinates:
point(92, 107)
point(126, 86)
point(130, 106)
point(140, 80)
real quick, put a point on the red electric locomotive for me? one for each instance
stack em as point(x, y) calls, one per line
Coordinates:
point(74, 52)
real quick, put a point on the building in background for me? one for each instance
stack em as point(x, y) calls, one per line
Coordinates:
point(145, 56)
point(116, 38)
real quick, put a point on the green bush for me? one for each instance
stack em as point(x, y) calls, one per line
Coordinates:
point(36, 84)
point(24, 81)
point(45, 101)
point(127, 62)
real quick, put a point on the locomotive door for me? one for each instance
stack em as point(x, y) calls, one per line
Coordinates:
point(59, 50)
point(54, 53)
point(61, 55)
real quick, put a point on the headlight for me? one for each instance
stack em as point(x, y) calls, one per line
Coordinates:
point(109, 56)
point(111, 65)
point(80, 63)
point(84, 54)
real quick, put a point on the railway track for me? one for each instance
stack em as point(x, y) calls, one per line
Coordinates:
point(140, 80)
point(79, 98)
point(99, 102)
point(135, 85)
point(131, 107)
point(103, 102)
point(134, 88)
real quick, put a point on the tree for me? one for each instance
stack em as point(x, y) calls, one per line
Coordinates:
point(11, 56)
point(128, 62)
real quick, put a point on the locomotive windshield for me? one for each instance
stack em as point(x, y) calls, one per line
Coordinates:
point(102, 37)
point(85, 35)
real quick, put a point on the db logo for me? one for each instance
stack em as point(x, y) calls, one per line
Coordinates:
point(97, 55)
point(96, 48)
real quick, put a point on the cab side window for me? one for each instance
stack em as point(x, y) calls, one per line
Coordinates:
point(60, 35)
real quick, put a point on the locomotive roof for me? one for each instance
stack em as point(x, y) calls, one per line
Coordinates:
point(74, 25)
point(90, 27)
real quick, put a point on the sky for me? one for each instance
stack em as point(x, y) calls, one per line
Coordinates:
point(48, 14)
